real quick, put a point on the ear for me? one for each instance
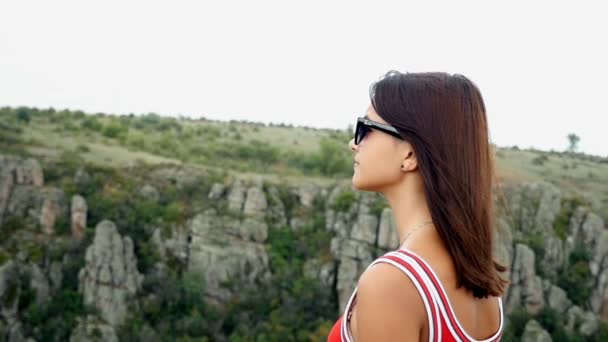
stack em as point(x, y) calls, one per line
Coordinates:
point(409, 163)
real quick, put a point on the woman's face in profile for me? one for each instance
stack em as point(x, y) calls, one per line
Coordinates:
point(377, 158)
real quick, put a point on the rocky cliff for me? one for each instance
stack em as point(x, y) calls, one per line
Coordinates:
point(556, 247)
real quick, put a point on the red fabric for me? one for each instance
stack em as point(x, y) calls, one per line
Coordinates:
point(334, 333)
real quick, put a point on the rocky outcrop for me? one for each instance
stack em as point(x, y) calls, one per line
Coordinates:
point(224, 249)
point(229, 247)
point(587, 231)
point(533, 208)
point(217, 191)
point(16, 171)
point(110, 277)
point(79, 217)
point(150, 193)
point(387, 231)
point(236, 196)
point(585, 323)
point(533, 332)
point(526, 287)
point(227, 241)
point(53, 207)
point(354, 246)
point(22, 194)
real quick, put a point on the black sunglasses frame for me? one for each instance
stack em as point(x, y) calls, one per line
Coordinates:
point(364, 125)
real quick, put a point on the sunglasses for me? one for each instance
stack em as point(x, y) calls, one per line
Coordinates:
point(364, 125)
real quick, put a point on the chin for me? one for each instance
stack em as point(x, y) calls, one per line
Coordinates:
point(359, 184)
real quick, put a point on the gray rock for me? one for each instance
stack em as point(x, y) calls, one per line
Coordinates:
point(225, 250)
point(15, 171)
point(217, 191)
point(307, 193)
point(276, 211)
point(236, 196)
point(29, 172)
point(554, 256)
point(365, 228)
point(557, 299)
point(388, 237)
point(110, 277)
point(79, 217)
point(526, 287)
point(25, 202)
point(149, 193)
point(6, 186)
point(55, 275)
point(54, 207)
point(594, 203)
point(15, 333)
point(324, 271)
point(39, 283)
point(587, 230)
point(533, 332)
point(81, 178)
point(586, 322)
point(573, 318)
point(253, 230)
point(534, 206)
point(9, 290)
point(503, 245)
point(348, 275)
point(589, 324)
point(255, 204)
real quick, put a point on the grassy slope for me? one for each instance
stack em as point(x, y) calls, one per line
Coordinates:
point(49, 138)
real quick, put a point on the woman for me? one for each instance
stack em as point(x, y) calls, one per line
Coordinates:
point(424, 145)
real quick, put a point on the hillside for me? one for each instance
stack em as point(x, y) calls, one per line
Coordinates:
point(148, 228)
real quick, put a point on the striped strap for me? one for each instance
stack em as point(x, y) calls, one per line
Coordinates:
point(444, 303)
point(420, 281)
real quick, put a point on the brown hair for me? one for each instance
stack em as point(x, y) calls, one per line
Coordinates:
point(443, 117)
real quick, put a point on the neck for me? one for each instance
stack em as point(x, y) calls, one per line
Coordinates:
point(408, 203)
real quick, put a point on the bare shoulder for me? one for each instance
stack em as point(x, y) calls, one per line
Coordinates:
point(389, 306)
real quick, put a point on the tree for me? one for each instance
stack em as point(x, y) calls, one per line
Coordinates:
point(573, 139)
point(23, 115)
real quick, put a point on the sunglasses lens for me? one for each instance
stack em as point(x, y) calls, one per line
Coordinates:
point(360, 133)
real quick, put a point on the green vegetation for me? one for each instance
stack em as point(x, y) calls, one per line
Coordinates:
point(576, 277)
point(289, 306)
point(562, 221)
point(344, 201)
point(120, 153)
point(553, 322)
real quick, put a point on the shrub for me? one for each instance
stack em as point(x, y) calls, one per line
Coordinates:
point(114, 130)
point(91, 123)
point(23, 115)
point(344, 201)
point(540, 159)
point(83, 148)
point(562, 221)
point(576, 277)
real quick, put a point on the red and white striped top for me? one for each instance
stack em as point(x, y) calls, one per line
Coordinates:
point(443, 323)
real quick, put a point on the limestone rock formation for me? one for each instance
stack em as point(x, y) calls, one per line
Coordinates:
point(110, 276)
point(533, 332)
point(79, 217)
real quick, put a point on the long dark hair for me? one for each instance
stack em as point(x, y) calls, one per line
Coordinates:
point(443, 117)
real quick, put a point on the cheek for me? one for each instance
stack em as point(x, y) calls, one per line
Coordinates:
point(376, 170)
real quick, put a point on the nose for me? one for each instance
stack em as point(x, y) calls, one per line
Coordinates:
point(352, 145)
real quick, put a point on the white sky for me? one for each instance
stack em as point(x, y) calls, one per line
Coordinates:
point(541, 66)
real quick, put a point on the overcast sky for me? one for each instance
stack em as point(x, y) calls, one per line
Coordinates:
point(541, 67)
